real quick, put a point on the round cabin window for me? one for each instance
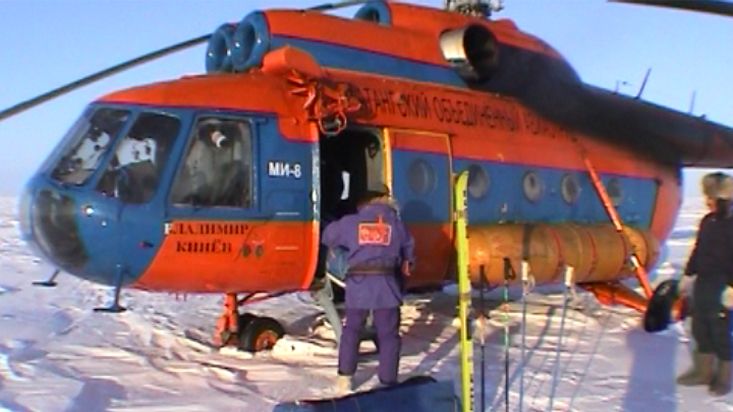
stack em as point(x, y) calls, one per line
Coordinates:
point(533, 186)
point(570, 188)
point(478, 182)
point(421, 177)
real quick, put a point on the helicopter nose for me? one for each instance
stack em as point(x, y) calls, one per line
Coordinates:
point(80, 231)
point(48, 223)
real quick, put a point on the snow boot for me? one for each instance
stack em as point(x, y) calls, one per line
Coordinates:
point(701, 372)
point(721, 384)
point(344, 384)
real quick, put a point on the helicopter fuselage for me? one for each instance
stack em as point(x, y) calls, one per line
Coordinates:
point(221, 183)
point(526, 171)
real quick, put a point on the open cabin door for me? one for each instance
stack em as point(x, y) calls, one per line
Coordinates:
point(421, 183)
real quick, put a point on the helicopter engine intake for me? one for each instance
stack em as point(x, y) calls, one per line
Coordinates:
point(238, 47)
point(472, 50)
point(219, 50)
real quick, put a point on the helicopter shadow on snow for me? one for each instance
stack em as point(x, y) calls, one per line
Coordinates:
point(654, 355)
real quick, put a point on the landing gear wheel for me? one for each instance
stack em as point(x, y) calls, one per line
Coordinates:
point(259, 334)
point(658, 313)
point(244, 320)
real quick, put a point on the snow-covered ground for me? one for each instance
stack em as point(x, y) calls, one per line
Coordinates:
point(56, 354)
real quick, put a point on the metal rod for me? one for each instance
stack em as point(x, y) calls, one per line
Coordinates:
point(525, 291)
point(115, 306)
point(333, 6)
point(30, 103)
point(641, 274)
point(23, 106)
point(508, 275)
point(482, 316)
point(51, 282)
point(568, 284)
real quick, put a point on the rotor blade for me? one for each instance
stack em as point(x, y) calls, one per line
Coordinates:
point(20, 107)
point(724, 8)
point(339, 5)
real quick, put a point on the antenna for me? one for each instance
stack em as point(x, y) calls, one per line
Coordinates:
point(643, 84)
point(620, 83)
point(692, 102)
point(474, 8)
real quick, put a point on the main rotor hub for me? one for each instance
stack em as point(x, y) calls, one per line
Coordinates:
point(474, 8)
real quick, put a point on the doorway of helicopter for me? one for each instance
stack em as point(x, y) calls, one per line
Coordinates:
point(352, 163)
point(415, 165)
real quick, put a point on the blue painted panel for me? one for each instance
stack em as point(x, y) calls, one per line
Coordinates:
point(349, 58)
point(432, 206)
point(278, 194)
point(506, 202)
point(285, 191)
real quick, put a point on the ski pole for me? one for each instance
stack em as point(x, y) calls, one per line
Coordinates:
point(481, 330)
point(464, 291)
point(525, 292)
point(508, 275)
point(568, 284)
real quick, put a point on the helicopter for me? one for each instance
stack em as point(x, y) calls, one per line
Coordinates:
point(221, 183)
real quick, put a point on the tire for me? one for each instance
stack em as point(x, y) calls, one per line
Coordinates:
point(260, 334)
point(244, 320)
point(659, 310)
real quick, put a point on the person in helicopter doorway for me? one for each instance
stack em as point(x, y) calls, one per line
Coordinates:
point(380, 250)
point(710, 270)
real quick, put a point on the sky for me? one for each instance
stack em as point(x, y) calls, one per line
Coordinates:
point(48, 43)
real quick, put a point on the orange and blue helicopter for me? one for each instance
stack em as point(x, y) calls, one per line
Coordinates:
point(222, 182)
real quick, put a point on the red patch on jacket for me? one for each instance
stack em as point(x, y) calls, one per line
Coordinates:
point(379, 234)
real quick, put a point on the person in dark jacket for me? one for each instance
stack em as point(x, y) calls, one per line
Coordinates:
point(710, 269)
point(379, 251)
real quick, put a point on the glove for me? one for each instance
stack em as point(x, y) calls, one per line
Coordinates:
point(726, 298)
point(684, 287)
point(406, 269)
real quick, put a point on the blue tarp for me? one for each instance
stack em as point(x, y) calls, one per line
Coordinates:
point(415, 395)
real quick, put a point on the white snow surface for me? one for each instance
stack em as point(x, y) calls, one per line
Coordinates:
point(56, 354)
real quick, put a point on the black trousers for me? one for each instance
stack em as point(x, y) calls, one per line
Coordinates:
point(712, 332)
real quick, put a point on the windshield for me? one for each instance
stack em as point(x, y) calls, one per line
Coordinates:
point(133, 172)
point(88, 144)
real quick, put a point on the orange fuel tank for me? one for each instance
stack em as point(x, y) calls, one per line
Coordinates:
point(597, 252)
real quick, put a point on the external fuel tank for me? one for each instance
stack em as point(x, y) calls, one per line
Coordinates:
point(597, 252)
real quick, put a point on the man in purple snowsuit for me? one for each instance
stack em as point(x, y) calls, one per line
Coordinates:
point(379, 250)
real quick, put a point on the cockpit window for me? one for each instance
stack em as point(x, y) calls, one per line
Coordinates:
point(139, 158)
point(89, 144)
point(217, 170)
